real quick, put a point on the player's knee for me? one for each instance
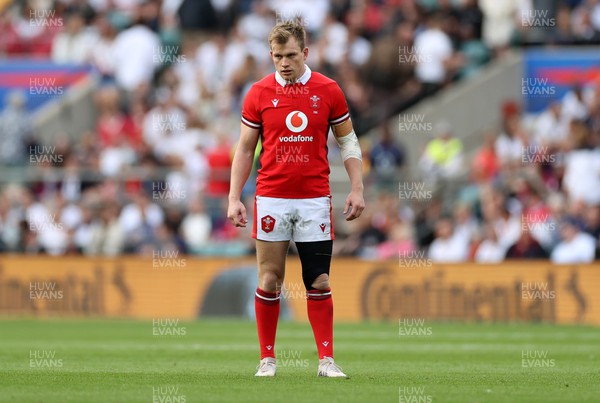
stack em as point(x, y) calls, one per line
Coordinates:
point(316, 259)
point(270, 281)
point(321, 282)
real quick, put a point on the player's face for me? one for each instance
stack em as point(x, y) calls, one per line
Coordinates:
point(289, 59)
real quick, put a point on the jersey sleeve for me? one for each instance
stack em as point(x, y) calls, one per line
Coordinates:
point(250, 114)
point(339, 108)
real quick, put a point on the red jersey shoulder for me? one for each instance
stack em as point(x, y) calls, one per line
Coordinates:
point(257, 88)
point(338, 106)
point(250, 109)
point(318, 78)
point(266, 81)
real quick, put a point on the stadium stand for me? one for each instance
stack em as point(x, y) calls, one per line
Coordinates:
point(151, 170)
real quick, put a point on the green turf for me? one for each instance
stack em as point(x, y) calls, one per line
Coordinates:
point(214, 361)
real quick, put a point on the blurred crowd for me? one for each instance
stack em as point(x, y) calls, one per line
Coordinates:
point(152, 173)
point(531, 191)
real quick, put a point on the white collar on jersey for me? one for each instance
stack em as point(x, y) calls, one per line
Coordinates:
point(303, 78)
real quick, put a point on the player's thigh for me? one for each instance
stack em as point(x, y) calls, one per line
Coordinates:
point(314, 221)
point(271, 258)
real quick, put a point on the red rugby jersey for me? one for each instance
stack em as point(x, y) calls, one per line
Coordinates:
point(294, 121)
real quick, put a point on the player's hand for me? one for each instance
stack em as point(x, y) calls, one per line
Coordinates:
point(355, 204)
point(236, 212)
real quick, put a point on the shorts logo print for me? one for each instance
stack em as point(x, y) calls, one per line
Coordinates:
point(267, 223)
point(323, 226)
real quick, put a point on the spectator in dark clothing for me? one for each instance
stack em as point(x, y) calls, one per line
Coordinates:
point(592, 221)
point(386, 158)
point(526, 248)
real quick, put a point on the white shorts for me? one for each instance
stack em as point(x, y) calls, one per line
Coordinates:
point(301, 220)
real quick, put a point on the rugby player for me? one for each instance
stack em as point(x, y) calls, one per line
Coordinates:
point(292, 111)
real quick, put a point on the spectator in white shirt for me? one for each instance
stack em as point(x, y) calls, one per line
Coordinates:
point(217, 61)
point(576, 246)
point(499, 19)
point(434, 50)
point(196, 226)
point(75, 44)
point(550, 128)
point(490, 250)
point(162, 121)
point(257, 24)
point(115, 158)
point(311, 13)
point(141, 212)
point(447, 247)
point(466, 225)
point(359, 49)
point(506, 225)
point(135, 54)
point(510, 144)
point(333, 43)
point(574, 106)
point(582, 167)
point(102, 54)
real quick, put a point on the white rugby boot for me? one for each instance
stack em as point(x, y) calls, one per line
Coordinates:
point(266, 367)
point(329, 369)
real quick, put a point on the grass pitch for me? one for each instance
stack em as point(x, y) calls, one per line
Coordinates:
point(87, 361)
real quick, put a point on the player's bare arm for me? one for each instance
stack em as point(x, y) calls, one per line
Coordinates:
point(351, 154)
point(240, 170)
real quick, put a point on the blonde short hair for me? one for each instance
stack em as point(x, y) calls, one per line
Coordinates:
point(283, 31)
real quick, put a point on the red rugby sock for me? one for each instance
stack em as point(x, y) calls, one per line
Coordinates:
point(266, 305)
point(320, 314)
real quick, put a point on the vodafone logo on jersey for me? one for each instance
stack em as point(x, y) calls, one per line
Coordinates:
point(296, 121)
